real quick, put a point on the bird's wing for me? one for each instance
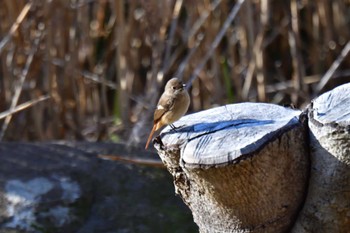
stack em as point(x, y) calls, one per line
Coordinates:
point(164, 105)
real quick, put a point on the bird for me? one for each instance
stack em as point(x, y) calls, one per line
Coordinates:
point(172, 105)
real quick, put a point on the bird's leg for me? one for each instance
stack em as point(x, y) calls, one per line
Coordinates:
point(173, 127)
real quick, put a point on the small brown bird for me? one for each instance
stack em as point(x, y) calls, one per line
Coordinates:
point(172, 105)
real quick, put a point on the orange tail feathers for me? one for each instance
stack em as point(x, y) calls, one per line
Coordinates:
point(151, 135)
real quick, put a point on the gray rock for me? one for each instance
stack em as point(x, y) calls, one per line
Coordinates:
point(62, 188)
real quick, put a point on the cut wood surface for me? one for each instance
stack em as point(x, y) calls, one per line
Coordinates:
point(230, 133)
point(240, 167)
point(332, 108)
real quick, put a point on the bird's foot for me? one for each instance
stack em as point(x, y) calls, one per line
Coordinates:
point(173, 127)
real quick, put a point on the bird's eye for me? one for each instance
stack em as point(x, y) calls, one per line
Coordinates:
point(174, 88)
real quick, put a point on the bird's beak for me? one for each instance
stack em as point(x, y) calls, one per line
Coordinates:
point(183, 85)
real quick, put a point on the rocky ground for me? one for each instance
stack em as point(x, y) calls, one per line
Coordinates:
point(56, 187)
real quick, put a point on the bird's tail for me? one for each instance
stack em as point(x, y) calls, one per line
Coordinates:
point(151, 135)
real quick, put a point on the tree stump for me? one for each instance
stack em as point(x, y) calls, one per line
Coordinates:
point(327, 207)
point(240, 167)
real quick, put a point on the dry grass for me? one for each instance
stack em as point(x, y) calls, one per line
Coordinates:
point(93, 70)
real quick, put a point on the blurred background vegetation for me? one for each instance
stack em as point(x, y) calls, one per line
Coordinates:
point(94, 69)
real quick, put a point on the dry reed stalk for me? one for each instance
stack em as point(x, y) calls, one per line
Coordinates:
point(19, 87)
point(295, 49)
point(121, 36)
point(259, 52)
point(330, 72)
point(15, 25)
point(169, 42)
point(22, 106)
point(251, 68)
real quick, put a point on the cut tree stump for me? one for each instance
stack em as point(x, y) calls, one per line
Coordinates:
point(327, 207)
point(255, 167)
point(240, 167)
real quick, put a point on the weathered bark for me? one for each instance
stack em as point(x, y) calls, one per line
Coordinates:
point(327, 207)
point(240, 168)
point(245, 167)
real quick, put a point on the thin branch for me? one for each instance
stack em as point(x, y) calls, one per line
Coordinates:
point(133, 160)
point(23, 106)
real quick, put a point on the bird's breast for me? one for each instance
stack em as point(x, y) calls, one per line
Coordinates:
point(179, 109)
